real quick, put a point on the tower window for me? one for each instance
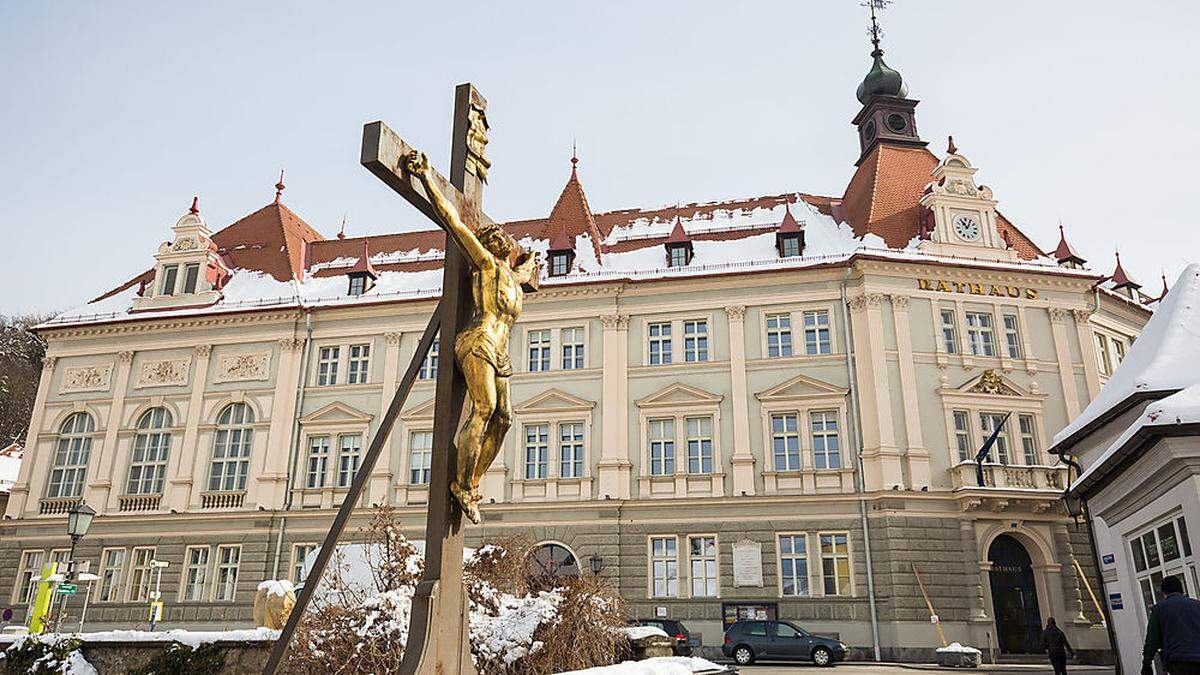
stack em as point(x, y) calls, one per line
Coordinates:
point(170, 272)
point(191, 274)
point(896, 122)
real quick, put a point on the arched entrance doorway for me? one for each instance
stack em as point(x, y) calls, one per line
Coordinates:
point(550, 560)
point(1014, 597)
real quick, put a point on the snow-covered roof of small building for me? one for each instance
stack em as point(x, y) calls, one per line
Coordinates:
point(10, 466)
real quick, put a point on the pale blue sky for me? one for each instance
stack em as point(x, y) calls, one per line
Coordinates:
point(113, 114)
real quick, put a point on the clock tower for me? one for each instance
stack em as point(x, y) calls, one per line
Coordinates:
point(959, 217)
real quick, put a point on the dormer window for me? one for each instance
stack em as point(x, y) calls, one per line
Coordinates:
point(679, 255)
point(189, 269)
point(362, 275)
point(191, 275)
point(789, 245)
point(358, 284)
point(170, 272)
point(560, 264)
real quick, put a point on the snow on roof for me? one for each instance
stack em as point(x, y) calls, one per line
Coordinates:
point(10, 466)
point(1165, 357)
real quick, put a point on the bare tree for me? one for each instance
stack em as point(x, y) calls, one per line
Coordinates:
point(21, 352)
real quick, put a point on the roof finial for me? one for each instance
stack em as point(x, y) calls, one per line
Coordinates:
point(951, 148)
point(342, 232)
point(195, 210)
point(875, 31)
point(279, 187)
point(574, 156)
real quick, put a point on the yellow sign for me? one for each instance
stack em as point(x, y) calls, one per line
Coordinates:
point(976, 288)
point(156, 611)
point(41, 601)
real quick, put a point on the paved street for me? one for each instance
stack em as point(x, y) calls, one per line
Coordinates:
point(915, 669)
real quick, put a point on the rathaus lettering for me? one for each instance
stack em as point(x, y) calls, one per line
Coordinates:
point(974, 288)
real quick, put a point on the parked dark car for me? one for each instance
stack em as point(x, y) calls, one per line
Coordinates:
point(675, 629)
point(748, 641)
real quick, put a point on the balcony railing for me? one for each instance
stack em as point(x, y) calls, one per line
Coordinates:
point(139, 503)
point(222, 500)
point(54, 506)
point(1009, 476)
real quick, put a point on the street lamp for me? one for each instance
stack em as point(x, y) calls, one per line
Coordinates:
point(79, 520)
point(596, 562)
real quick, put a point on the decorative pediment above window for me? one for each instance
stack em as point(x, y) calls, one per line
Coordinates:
point(336, 413)
point(679, 394)
point(188, 270)
point(421, 411)
point(554, 401)
point(800, 388)
point(992, 383)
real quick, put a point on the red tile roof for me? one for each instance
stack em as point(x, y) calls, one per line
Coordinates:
point(1065, 252)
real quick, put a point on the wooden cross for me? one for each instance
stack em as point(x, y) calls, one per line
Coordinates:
point(438, 634)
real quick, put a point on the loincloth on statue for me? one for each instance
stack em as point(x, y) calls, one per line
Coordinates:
point(475, 340)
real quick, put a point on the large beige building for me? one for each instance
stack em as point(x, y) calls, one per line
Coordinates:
point(750, 408)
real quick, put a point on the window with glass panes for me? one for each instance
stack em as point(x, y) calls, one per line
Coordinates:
point(785, 441)
point(1103, 360)
point(228, 558)
point(789, 247)
point(1161, 551)
point(231, 449)
point(140, 573)
point(170, 274)
point(662, 447)
point(826, 446)
point(816, 332)
point(835, 563)
point(300, 553)
point(318, 462)
point(664, 567)
point(980, 336)
point(191, 275)
point(148, 460)
point(560, 264)
point(793, 564)
point(327, 365)
point(349, 455)
point(660, 343)
point(420, 457)
point(570, 449)
point(195, 572)
point(429, 366)
point(360, 361)
point(1028, 434)
point(572, 348)
point(358, 284)
point(112, 574)
point(988, 422)
point(71, 453)
point(678, 256)
point(537, 450)
point(949, 331)
point(699, 444)
point(695, 340)
point(539, 350)
point(779, 335)
point(29, 571)
point(702, 566)
point(1012, 337)
point(962, 435)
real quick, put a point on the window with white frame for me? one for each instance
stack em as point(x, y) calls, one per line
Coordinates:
point(702, 566)
point(560, 264)
point(664, 567)
point(318, 462)
point(327, 365)
point(359, 365)
point(140, 573)
point(789, 247)
point(962, 435)
point(420, 457)
point(148, 461)
point(1028, 434)
point(349, 455)
point(949, 331)
point(988, 422)
point(662, 447)
point(429, 366)
point(300, 553)
point(537, 451)
point(835, 563)
point(785, 441)
point(228, 558)
point(572, 348)
point(659, 335)
point(779, 335)
point(170, 276)
point(695, 340)
point(1012, 336)
point(61, 556)
point(112, 574)
point(195, 573)
point(539, 350)
point(1160, 551)
point(980, 335)
point(678, 256)
point(793, 565)
point(570, 449)
point(71, 454)
point(1110, 351)
point(231, 449)
point(29, 572)
point(816, 332)
point(191, 275)
point(699, 444)
point(826, 444)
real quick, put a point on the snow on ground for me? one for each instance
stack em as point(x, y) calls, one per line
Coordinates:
point(662, 665)
point(191, 638)
point(958, 648)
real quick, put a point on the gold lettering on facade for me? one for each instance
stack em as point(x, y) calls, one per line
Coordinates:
point(977, 288)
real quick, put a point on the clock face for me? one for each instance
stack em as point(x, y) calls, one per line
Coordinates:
point(966, 227)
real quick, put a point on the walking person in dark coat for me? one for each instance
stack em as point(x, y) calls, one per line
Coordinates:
point(1054, 643)
point(1174, 629)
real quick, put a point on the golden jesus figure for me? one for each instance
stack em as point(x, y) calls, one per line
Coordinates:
point(481, 349)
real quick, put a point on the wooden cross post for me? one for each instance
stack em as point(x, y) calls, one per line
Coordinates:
point(438, 637)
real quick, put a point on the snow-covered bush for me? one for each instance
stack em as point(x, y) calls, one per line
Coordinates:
point(44, 654)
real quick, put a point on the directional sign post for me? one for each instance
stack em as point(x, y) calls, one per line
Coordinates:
point(67, 589)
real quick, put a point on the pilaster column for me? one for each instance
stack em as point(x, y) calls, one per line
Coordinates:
point(379, 487)
point(918, 456)
point(18, 498)
point(1087, 349)
point(1073, 583)
point(1062, 354)
point(179, 469)
point(881, 458)
point(742, 460)
point(101, 469)
point(272, 477)
point(614, 465)
point(973, 570)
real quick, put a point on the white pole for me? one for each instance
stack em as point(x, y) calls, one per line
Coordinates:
point(83, 612)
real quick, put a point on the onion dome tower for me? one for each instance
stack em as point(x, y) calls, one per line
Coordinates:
point(887, 115)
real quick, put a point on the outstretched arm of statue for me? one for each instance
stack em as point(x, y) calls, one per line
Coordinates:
point(529, 266)
point(417, 164)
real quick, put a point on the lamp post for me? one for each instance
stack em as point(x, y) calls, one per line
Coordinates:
point(596, 562)
point(79, 520)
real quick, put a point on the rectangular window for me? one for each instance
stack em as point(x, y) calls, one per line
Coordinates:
point(660, 343)
point(664, 567)
point(1028, 439)
point(420, 457)
point(358, 284)
point(699, 444)
point(191, 275)
point(835, 564)
point(702, 562)
point(228, 558)
point(430, 365)
point(539, 350)
point(1103, 360)
point(827, 452)
point(1163, 550)
point(140, 573)
point(662, 447)
point(318, 461)
point(962, 435)
point(300, 553)
point(816, 333)
point(570, 449)
point(785, 441)
point(560, 264)
point(195, 572)
point(360, 361)
point(327, 366)
point(572, 348)
point(789, 247)
point(988, 423)
point(30, 572)
point(112, 574)
point(679, 257)
point(793, 565)
point(1012, 337)
point(980, 335)
point(349, 456)
point(170, 273)
point(1118, 352)
point(779, 335)
point(949, 331)
point(537, 450)
point(695, 341)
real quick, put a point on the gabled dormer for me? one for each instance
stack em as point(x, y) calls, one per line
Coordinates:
point(1123, 283)
point(789, 238)
point(679, 246)
point(1065, 253)
point(188, 271)
point(363, 275)
point(561, 253)
point(963, 214)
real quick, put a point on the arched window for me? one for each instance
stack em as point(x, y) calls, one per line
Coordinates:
point(148, 465)
point(71, 456)
point(550, 560)
point(231, 449)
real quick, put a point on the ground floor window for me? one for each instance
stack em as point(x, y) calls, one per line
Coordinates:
point(139, 573)
point(793, 565)
point(300, 553)
point(835, 563)
point(702, 566)
point(112, 572)
point(664, 567)
point(30, 571)
point(195, 573)
point(228, 558)
point(1160, 551)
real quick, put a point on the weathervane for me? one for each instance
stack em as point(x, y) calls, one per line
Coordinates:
point(875, 31)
